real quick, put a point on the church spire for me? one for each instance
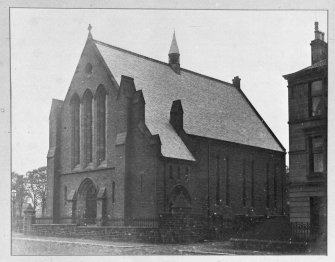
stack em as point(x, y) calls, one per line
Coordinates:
point(174, 55)
point(174, 47)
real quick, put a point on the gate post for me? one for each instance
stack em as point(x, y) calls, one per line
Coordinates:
point(29, 219)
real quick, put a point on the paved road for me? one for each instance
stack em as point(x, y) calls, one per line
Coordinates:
point(35, 245)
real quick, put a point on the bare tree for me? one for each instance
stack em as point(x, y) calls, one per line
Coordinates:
point(21, 192)
point(37, 186)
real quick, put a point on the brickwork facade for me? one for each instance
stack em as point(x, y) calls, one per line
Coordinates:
point(131, 179)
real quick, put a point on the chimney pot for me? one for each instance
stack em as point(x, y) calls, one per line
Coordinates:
point(237, 82)
point(318, 45)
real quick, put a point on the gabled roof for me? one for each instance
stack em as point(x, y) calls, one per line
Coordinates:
point(212, 108)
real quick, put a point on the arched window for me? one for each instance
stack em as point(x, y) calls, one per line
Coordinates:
point(171, 172)
point(75, 130)
point(178, 174)
point(88, 68)
point(141, 182)
point(275, 186)
point(267, 186)
point(218, 189)
point(113, 192)
point(87, 126)
point(187, 173)
point(101, 123)
point(227, 182)
point(65, 195)
point(253, 183)
point(244, 184)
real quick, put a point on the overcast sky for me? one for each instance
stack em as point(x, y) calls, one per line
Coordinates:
point(258, 46)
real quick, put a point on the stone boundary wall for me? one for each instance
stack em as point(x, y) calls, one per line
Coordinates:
point(129, 234)
point(269, 245)
point(181, 228)
point(172, 228)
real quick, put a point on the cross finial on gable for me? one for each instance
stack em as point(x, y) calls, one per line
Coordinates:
point(89, 31)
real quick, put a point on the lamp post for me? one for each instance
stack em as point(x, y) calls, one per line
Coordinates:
point(13, 202)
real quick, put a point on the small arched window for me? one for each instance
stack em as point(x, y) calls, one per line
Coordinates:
point(171, 172)
point(87, 126)
point(187, 173)
point(101, 124)
point(88, 69)
point(179, 173)
point(75, 130)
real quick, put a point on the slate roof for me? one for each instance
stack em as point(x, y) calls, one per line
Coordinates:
point(212, 108)
point(319, 64)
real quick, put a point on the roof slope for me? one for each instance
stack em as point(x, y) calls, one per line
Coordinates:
point(314, 66)
point(212, 108)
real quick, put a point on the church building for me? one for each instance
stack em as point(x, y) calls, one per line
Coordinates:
point(136, 138)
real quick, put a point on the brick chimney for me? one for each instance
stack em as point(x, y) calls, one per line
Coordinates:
point(237, 82)
point(174, 56)
point(319, 46)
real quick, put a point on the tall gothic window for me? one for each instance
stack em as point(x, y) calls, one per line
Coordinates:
point(75, 130)
point(275, 186)
point(187, 173)
point(171, 172)
point(253, 183)
point(141, 182)
point(267, 186)
point(87, 126)
point(101, 124)
point(227, 182)
point(244, 185)
point(113, 192)
point(178, 172)
point(218, 180)
point(65, 195)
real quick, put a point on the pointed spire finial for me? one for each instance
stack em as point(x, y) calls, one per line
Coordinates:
point(174, 56)
point(174, 46)
point(89, 31)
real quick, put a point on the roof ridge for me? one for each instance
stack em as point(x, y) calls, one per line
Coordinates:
point(161, 62)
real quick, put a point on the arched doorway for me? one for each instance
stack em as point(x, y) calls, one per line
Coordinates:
point(87, 202)
point(179, 200)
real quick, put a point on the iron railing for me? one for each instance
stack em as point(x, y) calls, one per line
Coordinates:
point(43, 220)
point(301, 231)
point(146, 222)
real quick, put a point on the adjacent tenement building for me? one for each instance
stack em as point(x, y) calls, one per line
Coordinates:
point(136, 138)
point(307, 97)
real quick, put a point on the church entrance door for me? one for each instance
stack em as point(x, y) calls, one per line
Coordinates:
point(91, 206)
point(87, 202)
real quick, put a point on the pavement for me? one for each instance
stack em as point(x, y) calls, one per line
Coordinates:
point(23, 245)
